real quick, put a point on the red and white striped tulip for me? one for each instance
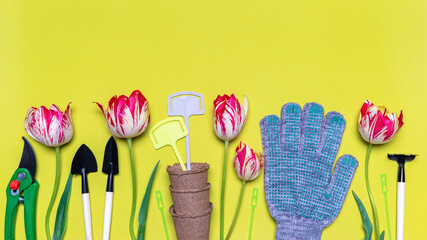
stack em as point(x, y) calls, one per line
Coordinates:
point(229, 116)
point(377, 125)
point(247, 163)
point(50, 127)
point(127, 117)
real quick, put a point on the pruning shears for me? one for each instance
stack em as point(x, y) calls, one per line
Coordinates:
point(22, 188)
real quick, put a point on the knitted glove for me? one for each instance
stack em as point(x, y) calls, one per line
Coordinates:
point(299, 150)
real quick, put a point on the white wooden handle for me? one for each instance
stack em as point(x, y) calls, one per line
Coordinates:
point(107, 215)
point(87, 215)
point(400, 209)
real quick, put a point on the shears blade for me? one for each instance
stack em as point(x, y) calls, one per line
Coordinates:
point(28, 159)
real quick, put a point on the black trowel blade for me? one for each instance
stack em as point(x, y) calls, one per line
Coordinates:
point(84, 159)
point(111, 159)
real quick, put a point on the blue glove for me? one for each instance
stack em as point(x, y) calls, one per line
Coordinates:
point(299, 150)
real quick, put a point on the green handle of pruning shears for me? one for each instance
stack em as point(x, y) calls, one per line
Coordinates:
point(161, 206)
point(254, 202)
point(384, 189)
point(30, 200)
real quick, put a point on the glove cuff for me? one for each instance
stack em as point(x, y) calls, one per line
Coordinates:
point(296, 228)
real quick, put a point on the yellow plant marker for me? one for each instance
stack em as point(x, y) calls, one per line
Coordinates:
point(168, 132)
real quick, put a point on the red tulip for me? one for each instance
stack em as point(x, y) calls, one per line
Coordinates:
point(377, 125)
point(50, 127)
point(229, 116)
point(127, 117)
point(247, 163)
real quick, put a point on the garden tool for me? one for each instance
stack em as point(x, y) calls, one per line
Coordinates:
point(22, 188)
point(299, 151)
point(401, 159)
point(168, 132)
point(84, 162)
point(186, 104)
point(110, 167)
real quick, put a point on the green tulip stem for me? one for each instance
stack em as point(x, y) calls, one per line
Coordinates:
point(371, 198)
point(237, 210)
point(52, 198)
point(224, 172)
point(132, 213)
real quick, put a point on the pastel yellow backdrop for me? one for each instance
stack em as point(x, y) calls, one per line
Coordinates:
point(335, 52)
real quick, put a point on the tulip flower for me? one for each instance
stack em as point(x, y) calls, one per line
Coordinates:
point(52, 128)
point(229, 117)
point(128, 117)
point(248, 164)
point(377, 126)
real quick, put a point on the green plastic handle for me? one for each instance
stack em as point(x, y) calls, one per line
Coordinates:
point(30, 204)
point(30, 200)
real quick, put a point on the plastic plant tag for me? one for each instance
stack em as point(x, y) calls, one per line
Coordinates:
point(161, 207)
point(254, 202)
point(168, 132)
point(186, 104)
point(384, 189)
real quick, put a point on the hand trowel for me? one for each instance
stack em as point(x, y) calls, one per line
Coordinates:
point(110, 167)
point(186, 104)
point(168, 132)
point(401, 159)
point(84, 162)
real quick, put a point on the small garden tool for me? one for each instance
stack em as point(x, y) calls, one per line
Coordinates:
point(110, 167)
point(168, 132)
point(401, 159)
point(300, 149)
point(22, 188)
point(186, 104)
point(84, 162)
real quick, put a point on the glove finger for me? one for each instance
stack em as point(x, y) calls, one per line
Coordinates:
point(271, 149)
point(270, 127)
point(340, 182)
point(330, 141)
point(290, 130)
point(311, 124)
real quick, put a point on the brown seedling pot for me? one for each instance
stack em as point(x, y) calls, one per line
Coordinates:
point(190, 202)
point(192, 227)
point(196, 178)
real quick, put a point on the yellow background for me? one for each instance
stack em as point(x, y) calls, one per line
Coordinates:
point(335, 52)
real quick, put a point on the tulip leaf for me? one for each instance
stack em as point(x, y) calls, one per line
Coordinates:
point(382, 235)
point(142, 218)
point(367, 225)
point(61, 213)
